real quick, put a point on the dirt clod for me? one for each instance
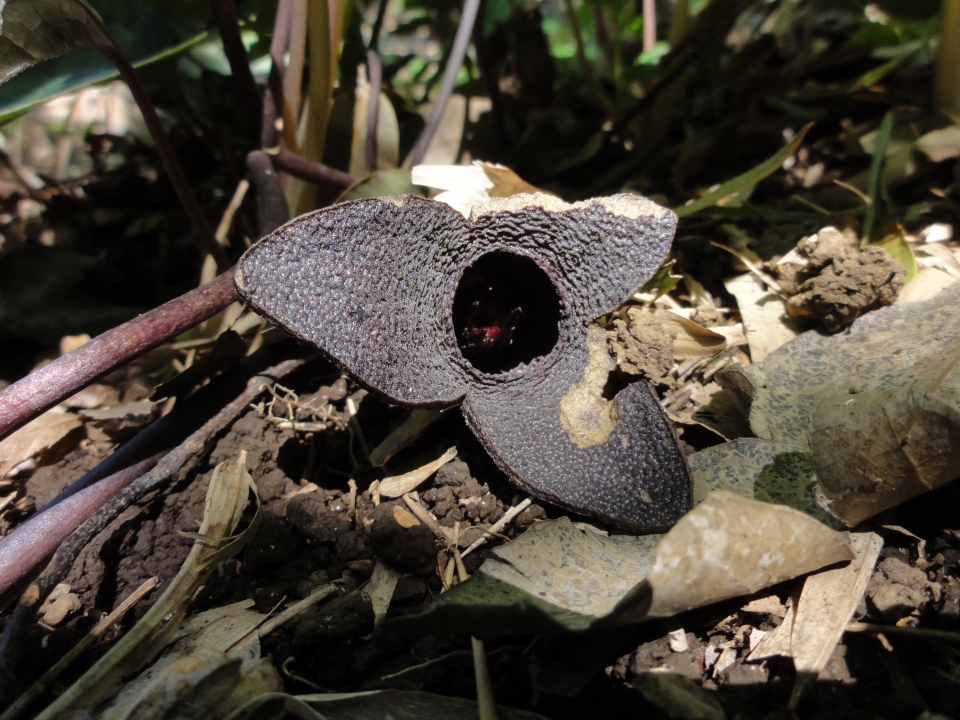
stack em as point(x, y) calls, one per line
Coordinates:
point(642, 345)
point(897, 588)
point(834, 281)
point(412, 549)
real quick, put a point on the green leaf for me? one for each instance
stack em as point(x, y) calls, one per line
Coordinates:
point(35, 30)
point(896, 244)
point(146, 33)
point(747, 179)
point(380, 184)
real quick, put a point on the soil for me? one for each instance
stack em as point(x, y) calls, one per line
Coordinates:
point(310, 537)
point(838, 281)
point(642, 345)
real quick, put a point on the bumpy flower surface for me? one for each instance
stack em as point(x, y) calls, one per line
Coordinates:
point(428, 308)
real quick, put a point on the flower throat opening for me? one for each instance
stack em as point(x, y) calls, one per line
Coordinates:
point(506, 313)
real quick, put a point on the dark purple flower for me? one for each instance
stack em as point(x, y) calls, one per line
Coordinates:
point(427, 308)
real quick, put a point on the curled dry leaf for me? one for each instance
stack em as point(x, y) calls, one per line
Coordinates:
point(556, 577)
point(36, 437)
point(729, 546)
point(397, 485)
point(494, 312)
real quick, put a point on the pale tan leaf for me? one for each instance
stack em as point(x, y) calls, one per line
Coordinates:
point(36, 437)
point(404, 517)
point(939, 145)
point(380, 589)
point(730, 545)
point(926, 284)
point(766, 323)
point(827, 603)
point(397, 485)
point(417, 423)
point(692, 340)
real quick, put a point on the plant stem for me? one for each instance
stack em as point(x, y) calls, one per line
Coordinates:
point(947, 71)
point(312, 172)
point(231, 394)
point(375, 76)
point(167, 156)
point(27, 398)
point(226, 14)
point(273, 99)
point(272, 208)
point(464, 29)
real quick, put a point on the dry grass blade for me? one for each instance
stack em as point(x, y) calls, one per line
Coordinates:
point(227, 498)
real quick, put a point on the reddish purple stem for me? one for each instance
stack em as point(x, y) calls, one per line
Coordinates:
point(39, 537)
point(41, 390)
point(312, 172)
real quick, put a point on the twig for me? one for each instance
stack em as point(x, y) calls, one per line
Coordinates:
point(273, 99)
point(226, 13)
point(375, 76)
point(286, 616)
point(165, 150)
point(906, 632)
point(173, 465)
point(27, 398)
point(486, 702)
point(223, 229)
point(423, 665)
point(413, 502)
point(464, 29)
point(312, 172)
point(498, 526)
point(47, 679)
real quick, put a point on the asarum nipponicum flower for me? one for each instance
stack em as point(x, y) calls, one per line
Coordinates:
point(427, 308)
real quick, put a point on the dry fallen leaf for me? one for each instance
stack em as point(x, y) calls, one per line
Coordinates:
point(556, 577)
point(874, 450)
point(766, 323)
point(827, 603)
point(729, 546)
point(881, 349)
point(36, 437)
point(397, 485)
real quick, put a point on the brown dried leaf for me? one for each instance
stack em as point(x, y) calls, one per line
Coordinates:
point(874, 450)
point(36, 437)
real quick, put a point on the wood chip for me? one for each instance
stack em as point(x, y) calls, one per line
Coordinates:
point(404, 517)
